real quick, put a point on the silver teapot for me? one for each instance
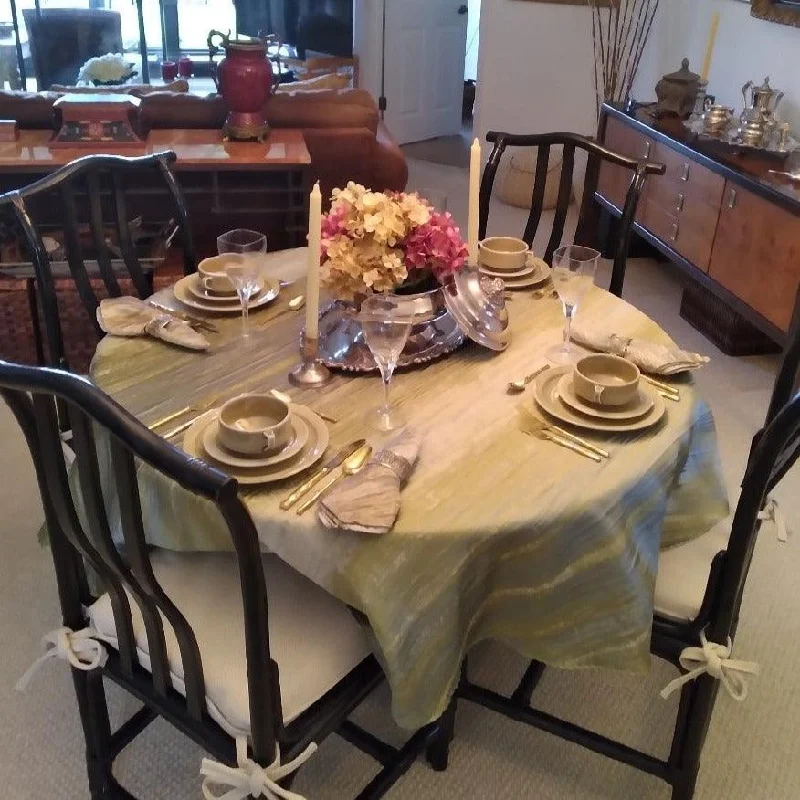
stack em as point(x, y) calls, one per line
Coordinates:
point(762, 99)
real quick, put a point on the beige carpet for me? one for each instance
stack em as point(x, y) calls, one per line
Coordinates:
point(752, 747)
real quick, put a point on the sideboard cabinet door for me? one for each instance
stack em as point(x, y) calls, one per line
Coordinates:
point(614, 181)
point(756, 254)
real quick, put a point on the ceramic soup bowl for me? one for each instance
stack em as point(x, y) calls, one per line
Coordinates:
point(255, 424)
point(503, 252)
point(212, 273)
point(606, 380)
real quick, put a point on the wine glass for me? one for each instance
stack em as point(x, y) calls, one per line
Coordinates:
point(245, 271)
point(386, 328)
point(574, 268)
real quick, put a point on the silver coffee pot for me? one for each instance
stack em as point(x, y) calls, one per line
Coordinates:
point(762, 99)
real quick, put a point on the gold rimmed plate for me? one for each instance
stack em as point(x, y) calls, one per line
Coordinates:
point(645, 400)
point(196, 289)
point(268, 293)
point(546, 395)
point(308, 456)
point(506, 274)
point(229, 458)
point(540, 273)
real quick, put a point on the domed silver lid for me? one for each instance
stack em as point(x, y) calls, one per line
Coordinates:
point(478, 306)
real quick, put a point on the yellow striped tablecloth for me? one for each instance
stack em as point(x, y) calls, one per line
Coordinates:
point(500, 535)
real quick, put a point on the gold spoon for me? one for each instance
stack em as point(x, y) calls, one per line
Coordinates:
point(355, 463)
point(517, 387)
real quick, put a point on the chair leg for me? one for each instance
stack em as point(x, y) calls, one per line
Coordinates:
point(691, 726)
point(524, 692)
point(97, 732)
point(437, 750)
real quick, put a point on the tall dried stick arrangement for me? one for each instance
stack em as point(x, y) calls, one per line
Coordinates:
point(620, 30)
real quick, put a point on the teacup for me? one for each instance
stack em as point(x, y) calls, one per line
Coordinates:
point(212, 273)
point(606, 380)
point(503, 253)
point(255, 424)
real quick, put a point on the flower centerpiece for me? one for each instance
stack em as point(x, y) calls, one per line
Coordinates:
point(108, 70)
point(386, 242)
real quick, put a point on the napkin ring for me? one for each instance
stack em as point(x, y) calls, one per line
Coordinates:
point(401, 467)
point(626, 343)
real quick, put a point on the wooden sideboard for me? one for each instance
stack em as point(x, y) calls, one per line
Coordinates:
point(720, 217)
point(260, 185)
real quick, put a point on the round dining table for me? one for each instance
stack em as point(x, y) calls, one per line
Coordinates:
point(500, 535)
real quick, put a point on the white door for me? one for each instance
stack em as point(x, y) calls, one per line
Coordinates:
point(425, 47)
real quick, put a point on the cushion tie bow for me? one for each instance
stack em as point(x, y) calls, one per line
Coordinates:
point(250, 779)
point(80, 648)
point(713, 659)
point(772, 513)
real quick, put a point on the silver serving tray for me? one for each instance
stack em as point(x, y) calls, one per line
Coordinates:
point(730, 138)
point(342, 345)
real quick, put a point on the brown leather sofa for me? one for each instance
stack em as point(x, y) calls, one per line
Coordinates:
point(342, 128)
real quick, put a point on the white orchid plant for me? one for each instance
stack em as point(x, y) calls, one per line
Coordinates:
point(110, 69)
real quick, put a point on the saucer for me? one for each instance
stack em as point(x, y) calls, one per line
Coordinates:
point(217, 298)
point(309, 454)
point(545, 392)
point(510, 273)
point(188, 296)
point(538, 273)
point(230, 458)
point(645, 399)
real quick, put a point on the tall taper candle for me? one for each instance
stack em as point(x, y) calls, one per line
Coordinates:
point(474, 201)
point(314, 252)
point(712, 39)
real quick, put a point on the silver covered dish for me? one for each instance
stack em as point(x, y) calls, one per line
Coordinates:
point(478, 306)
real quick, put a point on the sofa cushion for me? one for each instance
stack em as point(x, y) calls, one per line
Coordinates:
point(330, 81)
point(345, 108)
point(169, 110)
point(31, 110)
point(137, 89)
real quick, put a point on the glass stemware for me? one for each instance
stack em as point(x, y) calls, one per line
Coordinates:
point(244, 272)
point(574, 268)
point(386, 329)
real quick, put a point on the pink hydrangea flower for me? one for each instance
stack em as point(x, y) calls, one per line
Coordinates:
point(438, 245)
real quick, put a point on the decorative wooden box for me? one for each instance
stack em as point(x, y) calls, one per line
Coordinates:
point(89, 120)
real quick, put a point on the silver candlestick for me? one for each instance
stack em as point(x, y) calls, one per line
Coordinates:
point(310, 371)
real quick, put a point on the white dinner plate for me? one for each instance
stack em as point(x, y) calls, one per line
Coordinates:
point(645, 399)
point(309, 455)
point(268, 293)
point(545, 392)
point(219, 452)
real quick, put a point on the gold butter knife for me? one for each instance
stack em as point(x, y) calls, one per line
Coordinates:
point(577, 440)
point(329, 466)
point(352, 464)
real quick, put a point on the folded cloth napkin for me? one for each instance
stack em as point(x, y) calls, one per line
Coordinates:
point(369, 501)
point(129, 316)
point(655, 359)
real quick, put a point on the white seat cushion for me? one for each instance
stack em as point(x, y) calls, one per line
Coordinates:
point(683, 574)
point(312, 636)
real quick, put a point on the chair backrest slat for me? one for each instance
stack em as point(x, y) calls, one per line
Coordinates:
point(537, 198)
point(143, 288)
point(75, 259)
point(136, 551)
point(67, 186)
point(586, 231)
point(775, 453)
point(562, 202)
point(82, 535)
point(99, 234)
point(67, 522)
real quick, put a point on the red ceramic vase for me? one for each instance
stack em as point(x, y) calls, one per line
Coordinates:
point(245, 80)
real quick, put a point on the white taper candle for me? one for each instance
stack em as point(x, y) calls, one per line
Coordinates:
point(474, 201)
point(314, 253)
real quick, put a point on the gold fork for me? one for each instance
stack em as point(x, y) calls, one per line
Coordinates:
point(534, 426)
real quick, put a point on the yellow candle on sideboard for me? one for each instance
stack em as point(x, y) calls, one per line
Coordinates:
point(712, 39)
point(314, 253)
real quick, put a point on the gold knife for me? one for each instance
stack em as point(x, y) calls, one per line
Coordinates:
point(198, 321)
point(665, 388)
point(329, 466)
point(577, 440)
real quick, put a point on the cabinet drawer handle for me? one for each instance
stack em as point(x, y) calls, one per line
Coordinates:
point(648, 146)
point(679, 203)
point(676, 229)
point(686, 170)
point(732, 199)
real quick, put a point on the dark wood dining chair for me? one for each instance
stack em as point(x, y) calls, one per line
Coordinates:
point(230, 648)
point(685, 612)
point(587, 230)
point(89, 196)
